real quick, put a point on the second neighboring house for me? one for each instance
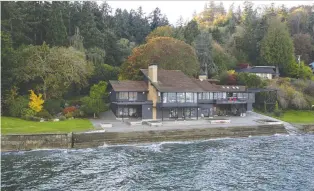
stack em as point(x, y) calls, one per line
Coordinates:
point(265, 72)
point(170, 94)
point(312, 66)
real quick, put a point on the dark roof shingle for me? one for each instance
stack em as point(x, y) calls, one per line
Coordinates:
point(259, 69)
point(177, 81)
point(173, 81)
point(128, 85)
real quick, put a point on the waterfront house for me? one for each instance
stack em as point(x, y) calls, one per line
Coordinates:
point(170, 94)
point(265, 72)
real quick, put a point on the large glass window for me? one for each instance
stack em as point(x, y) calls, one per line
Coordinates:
point(199, 95)
point(195, 97)
point(173, 113)
point(219, 95)
point(123, 95)
point(224, 95)
point(132, 112)
point(180, 98)
point(132, 96)
point(171, 97)
point(245, 95)
point(206, 95)
point(210, 95)
point(164, 98)
point(189, 97)
point(215, 96)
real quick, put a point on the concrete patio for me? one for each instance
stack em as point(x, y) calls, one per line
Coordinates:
point(122, 126)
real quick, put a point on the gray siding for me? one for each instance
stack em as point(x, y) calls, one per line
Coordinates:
point(147, 111)
point(141, 96)
point(249, 107)
point(112, 96)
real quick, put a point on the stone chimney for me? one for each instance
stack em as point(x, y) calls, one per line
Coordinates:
point(202, 77)
point(152, 72)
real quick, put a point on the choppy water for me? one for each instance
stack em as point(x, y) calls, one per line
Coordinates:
point(256, 163)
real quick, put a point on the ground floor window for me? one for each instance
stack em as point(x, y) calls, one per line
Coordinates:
point(128, 112)
point(173, 113)
point(205, 112)
point(190, 112)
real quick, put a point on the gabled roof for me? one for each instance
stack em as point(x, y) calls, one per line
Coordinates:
point(259, 69)
point(173, 81)
point(127, 85)
point(177, 81)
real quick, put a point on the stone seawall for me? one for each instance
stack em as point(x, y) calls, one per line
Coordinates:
point(34, 141)
point(87, 140)
point(308, 128)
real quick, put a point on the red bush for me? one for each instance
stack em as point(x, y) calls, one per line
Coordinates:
point(243, 65)
point(231, 80)
point(69, 109)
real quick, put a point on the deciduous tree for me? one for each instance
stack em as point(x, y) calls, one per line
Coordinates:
point(36, 102)
point(53, 69)
point(167, 52)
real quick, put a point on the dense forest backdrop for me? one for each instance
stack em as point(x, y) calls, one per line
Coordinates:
point(62, 49)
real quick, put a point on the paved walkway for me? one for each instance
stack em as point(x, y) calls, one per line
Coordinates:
point(121, 126)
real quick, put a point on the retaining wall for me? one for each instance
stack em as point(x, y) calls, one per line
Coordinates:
point(86, 140)
point(308, 128)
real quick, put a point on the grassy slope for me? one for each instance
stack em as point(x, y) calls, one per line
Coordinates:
point(10, 125)
point(294, 116)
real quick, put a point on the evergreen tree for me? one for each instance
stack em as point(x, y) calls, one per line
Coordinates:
point(191, 31)
point(203, 47)
point(277, 47)
point(157, 19)
point(57, 33)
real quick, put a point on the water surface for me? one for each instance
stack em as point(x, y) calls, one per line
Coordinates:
point(257, 163)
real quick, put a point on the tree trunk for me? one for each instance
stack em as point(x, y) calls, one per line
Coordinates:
point(94, 115)
point(44, 91)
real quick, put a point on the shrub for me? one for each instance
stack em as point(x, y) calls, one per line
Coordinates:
point(87, 111)
point(34, 118)
point(69, 109)
point(62, 118)
point(227, 78)
point(250, 80)
point(310, 89)
point(298, 101)
point(27, 113)
point(53, 106)
point(283, 81)
point(277, 111)
point(44, 114)
point(75, 102)
point(305, 72)
point(69, 115)
point(17, 105)
point(78, 113)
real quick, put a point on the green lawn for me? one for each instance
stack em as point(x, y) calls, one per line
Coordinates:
point(10, 125)
point(294, 116)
